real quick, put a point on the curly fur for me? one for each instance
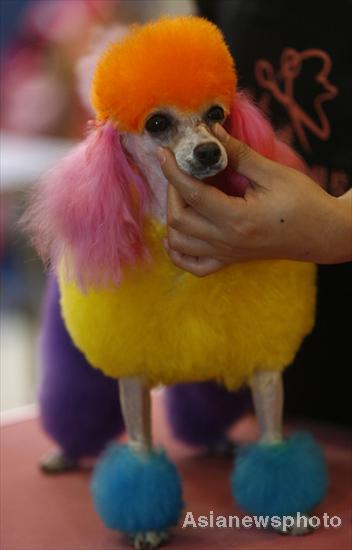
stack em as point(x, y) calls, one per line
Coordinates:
point(282, 478)
point(92, 217)
point(180, 61)
point(136, 492)
point(273, 301)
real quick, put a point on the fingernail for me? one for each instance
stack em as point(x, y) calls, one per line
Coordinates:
point(160, 153)
point(220, 131)
point(166, 244)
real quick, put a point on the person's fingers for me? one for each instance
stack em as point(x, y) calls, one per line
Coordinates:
point(242, 158)
point(186, 220)
point(205, 199)
point(176, 204)
point(189, 245)
point(198, 266)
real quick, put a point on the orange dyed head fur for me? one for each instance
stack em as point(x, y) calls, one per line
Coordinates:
point(182, 62)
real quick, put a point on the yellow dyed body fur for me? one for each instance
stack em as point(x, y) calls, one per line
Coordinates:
point(170, 326)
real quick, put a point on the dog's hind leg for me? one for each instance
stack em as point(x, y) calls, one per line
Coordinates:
point(136, 489)
point(276, 476)
point(79, 405)
point(201, 413)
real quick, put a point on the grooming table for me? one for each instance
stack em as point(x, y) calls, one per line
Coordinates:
point(40, 512)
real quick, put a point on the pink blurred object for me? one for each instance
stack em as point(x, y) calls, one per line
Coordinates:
point(32, 98)
point(59, 21)
point(38, 87)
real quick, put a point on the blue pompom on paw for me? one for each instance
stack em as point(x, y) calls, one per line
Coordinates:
point(136, 492)
point(280, 478)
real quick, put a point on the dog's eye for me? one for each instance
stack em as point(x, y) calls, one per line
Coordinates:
point(158, 123)
point(215, 114)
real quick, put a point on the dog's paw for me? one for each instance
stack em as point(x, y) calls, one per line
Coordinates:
point(149, 540)
point(298, 528)
point(56, 462)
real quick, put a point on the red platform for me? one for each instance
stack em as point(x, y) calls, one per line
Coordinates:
point(56, 513)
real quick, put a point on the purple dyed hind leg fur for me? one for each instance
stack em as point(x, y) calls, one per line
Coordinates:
point(79, 405)
point(201, 413)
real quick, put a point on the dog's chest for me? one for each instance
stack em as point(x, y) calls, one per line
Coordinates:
point(171, 326)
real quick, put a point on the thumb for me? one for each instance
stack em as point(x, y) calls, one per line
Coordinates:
point(242, 158)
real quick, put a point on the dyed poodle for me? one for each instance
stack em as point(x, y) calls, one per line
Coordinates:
point(99, 217)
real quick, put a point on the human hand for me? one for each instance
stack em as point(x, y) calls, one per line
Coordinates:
point(283, 215)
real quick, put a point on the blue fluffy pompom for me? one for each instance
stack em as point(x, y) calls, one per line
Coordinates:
point(281, 478)
point(136, 492)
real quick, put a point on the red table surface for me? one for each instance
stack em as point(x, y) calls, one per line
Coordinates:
point(40, 512)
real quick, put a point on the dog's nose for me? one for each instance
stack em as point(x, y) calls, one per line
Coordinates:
point(207, 153)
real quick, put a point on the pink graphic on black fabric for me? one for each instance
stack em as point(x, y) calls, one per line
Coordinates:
point(282, 87)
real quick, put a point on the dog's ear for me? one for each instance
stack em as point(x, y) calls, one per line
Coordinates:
point(248, 124)
point(90, 208)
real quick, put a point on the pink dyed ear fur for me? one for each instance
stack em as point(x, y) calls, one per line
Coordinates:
point(91, 205)
point(248, 124)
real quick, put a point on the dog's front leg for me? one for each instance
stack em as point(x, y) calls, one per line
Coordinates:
point(279, 478)
point(268, 397)
point(136, 409)
point(267, 392)
point(136, 488)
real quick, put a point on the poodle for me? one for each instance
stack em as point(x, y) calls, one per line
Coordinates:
point(99, 219)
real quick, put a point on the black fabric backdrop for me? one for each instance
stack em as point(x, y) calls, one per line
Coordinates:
point(317, 384)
